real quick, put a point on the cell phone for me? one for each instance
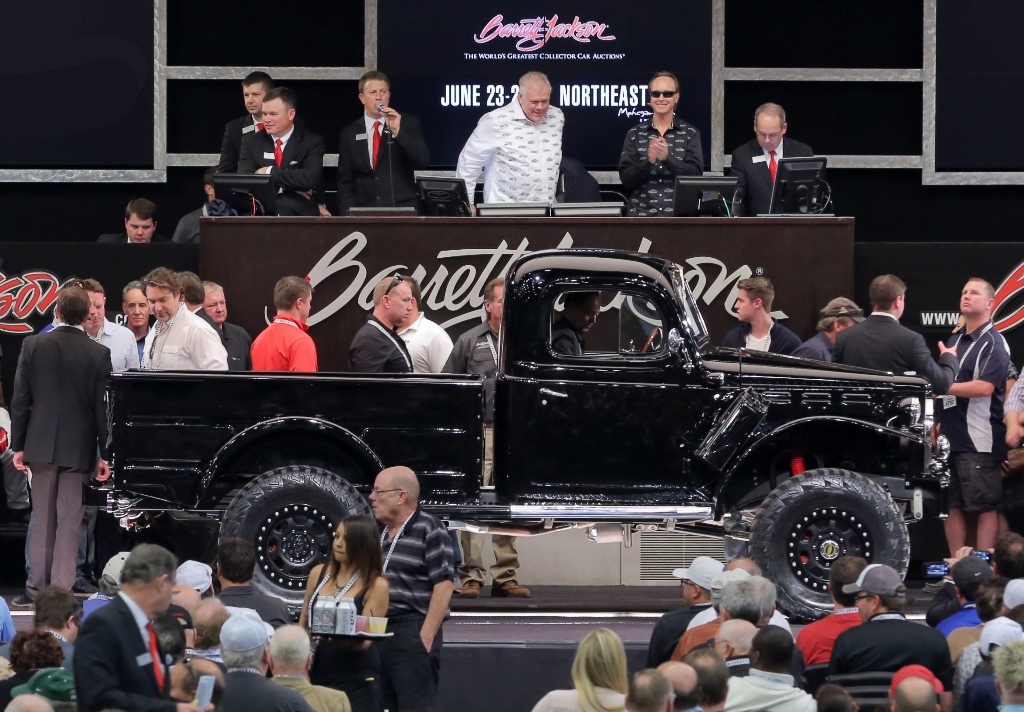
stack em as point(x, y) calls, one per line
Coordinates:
point(938, 569)
point(204, 693)
point(983, 555)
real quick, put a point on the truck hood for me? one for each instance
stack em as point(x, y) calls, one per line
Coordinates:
point(760, 363)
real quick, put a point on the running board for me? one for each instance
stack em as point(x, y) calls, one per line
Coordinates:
point(622, 513)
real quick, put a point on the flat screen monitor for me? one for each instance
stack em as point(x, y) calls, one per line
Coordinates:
point(589, 210)
point(704, 196)
point(247, 193)
point(443, 197)
point(800, 187)
point(513, 210)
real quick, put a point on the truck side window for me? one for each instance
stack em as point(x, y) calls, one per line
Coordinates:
point(605, 325)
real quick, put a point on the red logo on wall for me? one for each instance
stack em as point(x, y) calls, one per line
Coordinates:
point(24, 295)
point(535, 32)
point(1010, 288)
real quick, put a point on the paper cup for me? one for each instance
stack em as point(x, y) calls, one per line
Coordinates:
point(378, 625)
point(362, 623)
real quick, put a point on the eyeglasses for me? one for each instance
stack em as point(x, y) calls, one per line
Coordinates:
point(379, 492)
point(862, 596)
point(768, 137)
point(666, 94)
point(395, 281)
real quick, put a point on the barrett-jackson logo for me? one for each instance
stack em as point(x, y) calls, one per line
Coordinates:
point(23, 295)
point(535, 32)
point(1010, 288)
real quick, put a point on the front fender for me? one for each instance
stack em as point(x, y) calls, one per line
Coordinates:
point(330, 434)
point(858, 445)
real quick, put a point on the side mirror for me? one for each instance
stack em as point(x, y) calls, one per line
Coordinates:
point(675, 341)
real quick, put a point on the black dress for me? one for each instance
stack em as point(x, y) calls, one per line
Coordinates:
point(338, 665)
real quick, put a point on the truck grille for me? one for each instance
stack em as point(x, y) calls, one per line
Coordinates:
point(660, 552)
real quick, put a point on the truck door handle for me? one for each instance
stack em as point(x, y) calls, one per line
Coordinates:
point(556, 394)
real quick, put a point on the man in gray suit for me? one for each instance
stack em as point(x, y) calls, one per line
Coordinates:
point(59, 421)
point(882, 343)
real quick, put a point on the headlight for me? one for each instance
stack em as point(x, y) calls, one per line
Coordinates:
point(941, 451)
point(912, 407)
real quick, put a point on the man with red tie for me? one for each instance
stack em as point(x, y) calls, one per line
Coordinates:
point(755, 162)
point(379, 152)
point(292, 156)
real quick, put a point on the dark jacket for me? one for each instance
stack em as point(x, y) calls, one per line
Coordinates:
point(652, 186)
point(238, 344)
point(882, 343)
point(231, 145)
point(58, 412)
point(360, 185)
point(271, 610)
point(754, 187)
point(301, 169)
point(818, 347)
point(121, 238)
point(248, 692)
point(783, 340)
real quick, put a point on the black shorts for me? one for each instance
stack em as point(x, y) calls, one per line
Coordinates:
point(976, 482)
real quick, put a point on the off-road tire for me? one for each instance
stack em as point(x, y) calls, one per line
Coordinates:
point(289, 514)
point(810, 520)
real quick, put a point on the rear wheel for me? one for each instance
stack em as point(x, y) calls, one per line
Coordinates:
point(289, 514)
point(809, 521)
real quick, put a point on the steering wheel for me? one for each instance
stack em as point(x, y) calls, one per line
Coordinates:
point(650, 339)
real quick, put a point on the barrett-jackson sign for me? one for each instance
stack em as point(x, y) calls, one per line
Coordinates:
point(810, 262)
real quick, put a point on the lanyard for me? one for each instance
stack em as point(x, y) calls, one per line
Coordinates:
point(289, 322)
point(889, 617)
point(160, 328)
point(973, 343)
point(383, 535)
point(490, 345)
point(844, 611)
point(404, 357)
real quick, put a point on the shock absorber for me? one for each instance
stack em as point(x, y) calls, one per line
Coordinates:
point(796, 465)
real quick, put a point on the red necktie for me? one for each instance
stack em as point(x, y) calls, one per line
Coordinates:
point(259, 126)
point(376, 143)
point(154, 652)
point(772, 167)
point(279, 154)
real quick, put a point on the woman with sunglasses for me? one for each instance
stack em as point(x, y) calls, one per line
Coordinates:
point(353, 571)
point(657, 151)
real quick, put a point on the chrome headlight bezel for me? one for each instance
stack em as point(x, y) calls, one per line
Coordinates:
point(941, 450)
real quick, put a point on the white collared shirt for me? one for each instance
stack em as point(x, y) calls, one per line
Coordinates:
point(284, 144)
point(141, 619)
point(124, 350)
point(429, 345)
point(190, 344)
point(371, 123)
point(778, 153)
point(519, 158)
point(888, 314)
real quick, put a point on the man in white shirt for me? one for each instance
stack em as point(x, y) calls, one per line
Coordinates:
point(769, 686)
point(180, 340)
point(124, 353)
point(429, 345)
point(518, 147)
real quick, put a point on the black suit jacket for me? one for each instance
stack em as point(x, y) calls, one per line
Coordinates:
point(121, 238)
point(361, 186)
point(754, 187)
point(238, 344)
point(113, 669)
point(301, 169)
point(882, 343)
point(58, 413)
point(231, 144)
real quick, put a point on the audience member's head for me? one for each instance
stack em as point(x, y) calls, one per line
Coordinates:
point(1008, 662)
point(886, 293)
point(734, 638)
point(171, 637)
point(184, 619)
point(135, 308)
point(844, 571)
point(600, 662)
point(236, 561)
point(879, 589)
point(1008, 556)
point(208, 188)
point(649, 691)
point(697, 578)
point(834, 698)
point(839, 314)
point(73, 305)
point(209, 617)
point(989, 599)
point(914, 671)
point(185, 596)
point(720, 581)
point(110, 579)
point(34, 650)
point(197, 575)
point(243, 643)
point(772, 650)
point(254, 88)
point(290, 651)
point(915, 694)
point(392, 301)
point(581, 309)
point(292, 297)
point(140, 220)
point(997, 633)
point(754, 298)
point(185, 680)
point(279, 111)
point(215, 304)
point(741, 601)
point(683, 679)
point(743, 563)
point(163, 292)
point(191, 289)
point(58, 610)
point(97, 306)
point(29, 703)
point(712, 677)
point(969, 573)
point(1013, 596)
point(148, 577)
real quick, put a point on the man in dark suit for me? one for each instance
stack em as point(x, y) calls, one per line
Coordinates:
point(379, 152)
point(236, 340)
point(755, 162)
point(59, 420)
point(118, 661)
point(882, 343)
point(139, 226)
point(292, 156)
point(254, 88)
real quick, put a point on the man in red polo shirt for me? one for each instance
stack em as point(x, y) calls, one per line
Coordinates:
point(284, 345)
point(817, 639)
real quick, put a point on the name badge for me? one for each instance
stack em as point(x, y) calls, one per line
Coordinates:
point(948, 402)
point(144, 659)
point(249, 129)
point(757, 159)
point(360, 137)
point(269, 155)
point(293, 163)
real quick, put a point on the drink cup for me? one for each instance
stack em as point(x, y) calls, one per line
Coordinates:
point(378, 624)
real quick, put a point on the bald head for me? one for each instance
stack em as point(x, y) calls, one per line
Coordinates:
point(209, 617)
point(683, 679)
point(738, 634)
point(396, 492)
point(915, 694)
point(289, 649)
point(744, 564)
point(401, 478)
point(185, 596)
point(29, 703)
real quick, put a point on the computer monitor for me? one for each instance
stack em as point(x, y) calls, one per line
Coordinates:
point(800, 187)
point(704, 196)
point(444, 197)
point(247, 193)
point(513, 210)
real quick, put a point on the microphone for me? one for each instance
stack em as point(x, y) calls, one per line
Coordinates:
point(380, 107)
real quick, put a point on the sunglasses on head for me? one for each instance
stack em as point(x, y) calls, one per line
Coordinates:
point(395, 281)
point(666, 94)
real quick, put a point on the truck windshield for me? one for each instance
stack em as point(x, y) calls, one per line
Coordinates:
point(694, 322)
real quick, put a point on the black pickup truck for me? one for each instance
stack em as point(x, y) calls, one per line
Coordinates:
point(650, 429)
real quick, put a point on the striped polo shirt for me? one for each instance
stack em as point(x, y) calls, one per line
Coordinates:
point(422, 558)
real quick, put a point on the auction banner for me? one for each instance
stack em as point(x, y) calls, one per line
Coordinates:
point(449, 64)
point(810, 261)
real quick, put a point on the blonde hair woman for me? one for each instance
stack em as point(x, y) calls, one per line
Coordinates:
point(599, 677)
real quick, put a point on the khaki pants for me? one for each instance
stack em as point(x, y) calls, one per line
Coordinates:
point(506, 558)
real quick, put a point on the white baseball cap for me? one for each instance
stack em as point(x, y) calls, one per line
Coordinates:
point(195, 574)
point(701, 572)
point(1013, 596)
point(997, 633)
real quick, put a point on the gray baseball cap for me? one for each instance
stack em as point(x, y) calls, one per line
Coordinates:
point(878, 579)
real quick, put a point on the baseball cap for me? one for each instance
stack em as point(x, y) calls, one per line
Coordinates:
point(181, 614)
point(55, 684)
point(1013, 595)
point(195, 574)
point(970, 571)
point(723, 579)
point(841, 306)
point(880, 580)
point(915, 671)
point(701, 571)
point(242, 632)
point(997, 633)
point(112, 571)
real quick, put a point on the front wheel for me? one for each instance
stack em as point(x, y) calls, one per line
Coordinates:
point(811, 520)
